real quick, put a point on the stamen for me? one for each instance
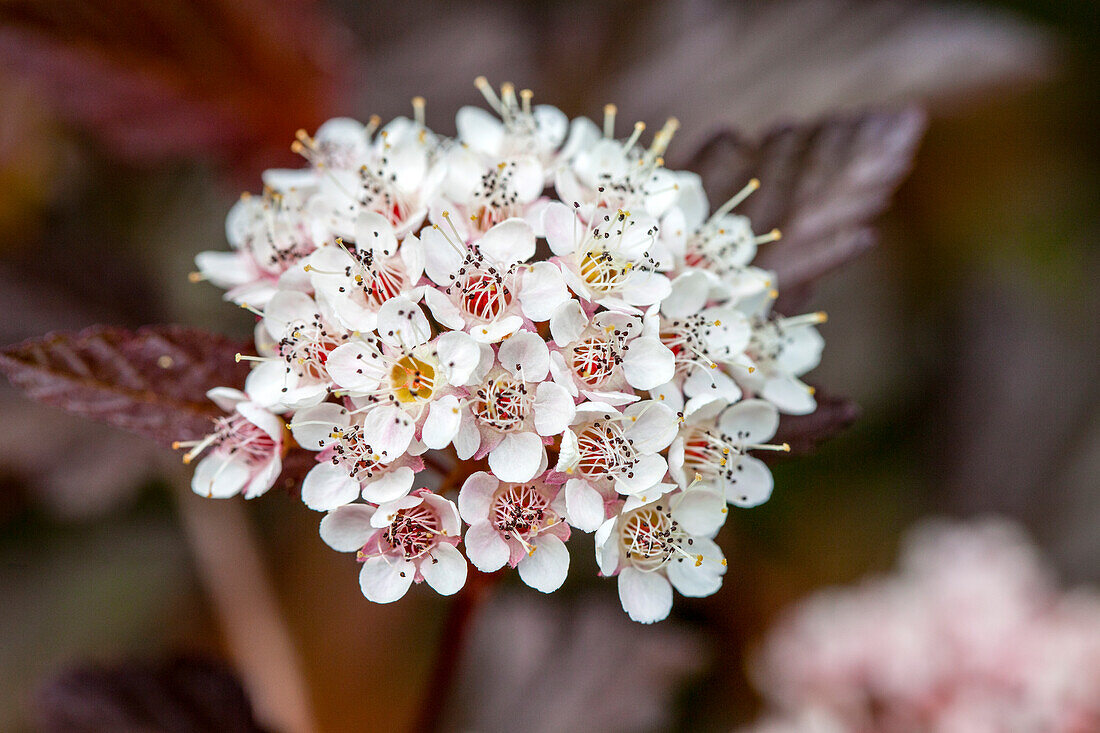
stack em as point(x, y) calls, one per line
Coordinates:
point(418, 110)
point(486, 90)
point(609, 112)
point(737, 198)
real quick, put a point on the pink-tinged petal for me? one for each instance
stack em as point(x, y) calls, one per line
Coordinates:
point(443, 310)
point(646, 597)
point(389, 431)
point(450, 521)
point(485, 547)
point(508, 242)
point(390, 486)
point(554, 409)
point(751, 421)
point(387, 511)
point(351, 367)
point(226, 269)
point(584, 506)
point(561, 226)
point(647, 363)
point(459, 356)
point(313, 427)
point(569, 454)
point(347, 528)
point(546, 567)
point(517, 457)
point(525, 356)
point(475, 496)
point(442, 257)
point(374, 232)
point(327, 486)
point(442, 424)
point(264, 420)
point(615, 399)
point(542, 291)
point(386, 580)
point(751, 484)
point(220, 477)
point(226, 398)
point(402, 323)
point(567, 323)
point(445, 569)
point(491, 333)
point(700, 511)
point(701, 576)
point(264, 479)
point(560, 373)
point(790, 395)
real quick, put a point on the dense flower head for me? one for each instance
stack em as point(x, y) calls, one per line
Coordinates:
point(536, 307)
point(970, 634)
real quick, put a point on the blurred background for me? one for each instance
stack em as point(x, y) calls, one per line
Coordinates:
point(969, 336)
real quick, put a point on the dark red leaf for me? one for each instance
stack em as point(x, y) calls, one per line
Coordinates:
point(822, 185)
point(804, 432)
point(178, 696)
point(152, 381)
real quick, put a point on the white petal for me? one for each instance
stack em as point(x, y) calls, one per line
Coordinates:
point(442, 257)
point(646, 288)
point(374, 232)
point(510, 241)
point(441, 425)
point(354, 367)
point(646, 597)
point(750, 421)
point(313, 427)
point(390, 486)
point(554, 409)
point(226, 398)
point(607, 547)
point(327, 486)
point(389, 431)
point(385, 581)
point(485, 547)
point(545, 568)
point(584, 505)
point(542, 291)
point(654, 428)
point(402, 323)
point(687, 296)
point(700, 511)
point(751, 484)
point(220, 477)
point(387, 511)
point(517, 457)
point(801, 350)
point(569, 454)
point(475, 495)
point(459, 356)
point(491, 333)
point(647, 473)
point(347, 528)
point(647, 363)
point(443, 309)
point(698, 578)
point(479, 129)
point(445, 569)
point(525, 356)
point(468, 439)
point(790, 395)
point(561, 226)
point(567, 323)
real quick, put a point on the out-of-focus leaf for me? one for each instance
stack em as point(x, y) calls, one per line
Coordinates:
point(749, 64)
point(152, 81)
point(179, 696)
point(152, 381)
point(821, 184)
point(804, 432)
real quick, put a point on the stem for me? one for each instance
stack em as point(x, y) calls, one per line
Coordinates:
point(230, 568)
point(452, 642)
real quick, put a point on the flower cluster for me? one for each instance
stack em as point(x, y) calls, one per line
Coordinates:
point(534, 299)
point(970, 635)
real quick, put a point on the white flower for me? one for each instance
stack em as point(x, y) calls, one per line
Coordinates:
point(781, 350)
point(652, 552)
point(519, 524)
point(606, 261)
point(243, 453)
point(718, 453)
point(607, 357)
point(514, 409)
point(605, 453)
point(410, 539)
